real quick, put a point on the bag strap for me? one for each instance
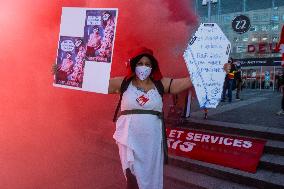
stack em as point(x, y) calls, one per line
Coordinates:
point(160, 87)
point(123, 87)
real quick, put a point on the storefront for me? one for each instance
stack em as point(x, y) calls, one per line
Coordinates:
point(260, 73)
point(253, 28)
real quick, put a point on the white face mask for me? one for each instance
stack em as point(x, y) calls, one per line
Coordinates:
point(143, 72)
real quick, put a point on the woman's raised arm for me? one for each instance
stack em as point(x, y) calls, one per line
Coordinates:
point(114, 85)
point(175, 86)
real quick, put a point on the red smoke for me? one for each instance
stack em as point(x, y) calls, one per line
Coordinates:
point(162, 25)
point(52, 137)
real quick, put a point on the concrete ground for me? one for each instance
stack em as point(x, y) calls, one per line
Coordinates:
point(256, 107)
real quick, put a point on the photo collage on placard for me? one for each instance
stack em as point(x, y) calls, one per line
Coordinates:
point(99, 35)
point(96, 45)
point(70, 61)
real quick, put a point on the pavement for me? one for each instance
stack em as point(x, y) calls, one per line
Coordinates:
point(256, 107)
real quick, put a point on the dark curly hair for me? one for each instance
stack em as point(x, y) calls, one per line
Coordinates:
point(135, 60)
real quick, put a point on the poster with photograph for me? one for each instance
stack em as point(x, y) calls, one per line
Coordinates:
point(85, 48)
point(99, 35)
point(70, 61)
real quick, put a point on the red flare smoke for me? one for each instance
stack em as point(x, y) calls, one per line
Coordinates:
point(44, 131)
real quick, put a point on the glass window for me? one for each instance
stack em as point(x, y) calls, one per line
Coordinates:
point(254, 28)
point(227, 19)
point(279, 3)
point(264, 38)
point(240, 49)
point(275, 39)
point(264, 28)
point(245, 39)
point(254, 39)
point(255, 17)
point(275, 18)
point(275, 27)
point(264, 17)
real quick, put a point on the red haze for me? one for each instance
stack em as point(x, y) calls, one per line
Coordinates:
point(58, 138)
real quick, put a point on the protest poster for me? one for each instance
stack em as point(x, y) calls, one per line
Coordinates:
point(70, 61)
point(207, 52)
point(85, 48)
point(99, 34)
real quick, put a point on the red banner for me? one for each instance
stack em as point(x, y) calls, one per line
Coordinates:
point(231, 151)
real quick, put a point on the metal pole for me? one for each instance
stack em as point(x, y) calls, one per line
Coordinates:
point(260, 77)
point(250, 81)
point(196, 7)
point(209, 10)
point(273, 77)
point(219, 10)
point(244, 5)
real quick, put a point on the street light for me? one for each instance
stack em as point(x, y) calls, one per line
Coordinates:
point(204, 3)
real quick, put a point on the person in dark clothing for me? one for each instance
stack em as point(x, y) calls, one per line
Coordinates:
point(229, 80)
point(281, 84)
point(238, 78)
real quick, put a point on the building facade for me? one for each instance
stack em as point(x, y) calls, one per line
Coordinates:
point(254, 49)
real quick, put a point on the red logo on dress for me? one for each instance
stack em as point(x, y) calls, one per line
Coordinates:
point(142, 100)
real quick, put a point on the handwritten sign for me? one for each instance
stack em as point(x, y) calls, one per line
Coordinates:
point(206, 53)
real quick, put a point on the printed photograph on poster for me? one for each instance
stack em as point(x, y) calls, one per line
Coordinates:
point(99, 34)
point(70, 61)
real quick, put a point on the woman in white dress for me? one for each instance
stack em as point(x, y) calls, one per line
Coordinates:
point(139, 129)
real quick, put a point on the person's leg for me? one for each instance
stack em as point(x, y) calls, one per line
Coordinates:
point(238, 89)
point(188, 104)
point(224, 90)
point(230, 86)
point(131, 180)
point(282, 106)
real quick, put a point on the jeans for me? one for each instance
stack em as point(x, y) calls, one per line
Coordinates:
point(228, 84)
point(282, 105)
point(239, 86)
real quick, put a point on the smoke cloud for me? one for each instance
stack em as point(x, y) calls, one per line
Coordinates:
point(58, 138)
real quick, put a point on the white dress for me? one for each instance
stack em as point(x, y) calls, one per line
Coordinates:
point(139, 138)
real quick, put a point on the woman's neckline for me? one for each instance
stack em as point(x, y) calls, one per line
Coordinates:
point(141, 89)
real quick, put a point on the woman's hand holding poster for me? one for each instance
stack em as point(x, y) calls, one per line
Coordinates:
point(85, 49)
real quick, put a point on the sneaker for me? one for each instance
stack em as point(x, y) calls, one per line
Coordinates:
point(280, 112)
point(238, 98)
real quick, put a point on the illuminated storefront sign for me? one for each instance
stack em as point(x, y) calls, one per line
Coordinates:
point(260, 61)
point(261, 48)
